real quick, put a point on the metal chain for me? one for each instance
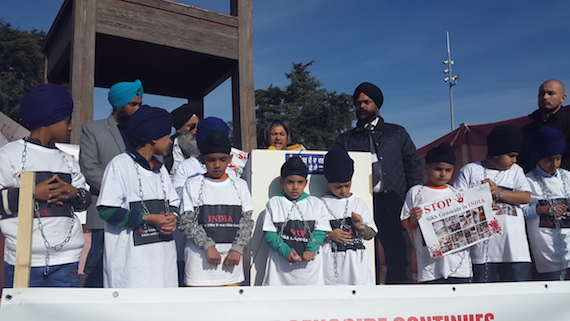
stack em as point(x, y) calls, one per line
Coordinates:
point(343, 226)
point(559, 243)
point(67, 238)
point(141, 194)
point(200, 200)
point(305, 224)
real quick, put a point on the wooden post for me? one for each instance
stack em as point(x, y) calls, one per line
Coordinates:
point(82, 62)
point(25, 224)
point(243, 92)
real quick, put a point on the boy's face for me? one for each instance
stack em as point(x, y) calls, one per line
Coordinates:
point(59, 132)
point(162, 145)
point(550, 164)
point(293, 185)
point(505, 161)
point(438, 174)
point(216, 163)
point(340, 190)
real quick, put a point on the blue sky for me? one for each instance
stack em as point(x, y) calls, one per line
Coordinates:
point(503, 51)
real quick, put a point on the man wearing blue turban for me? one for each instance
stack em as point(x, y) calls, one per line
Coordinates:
point(101, 140)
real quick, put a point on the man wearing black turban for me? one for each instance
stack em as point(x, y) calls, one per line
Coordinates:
point(395, 168)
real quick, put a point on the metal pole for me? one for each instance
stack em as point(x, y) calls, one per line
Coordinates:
point(452, 80)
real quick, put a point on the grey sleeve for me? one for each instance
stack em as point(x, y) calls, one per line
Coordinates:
point(89, 162)
point(187, 224)
point(243, 234)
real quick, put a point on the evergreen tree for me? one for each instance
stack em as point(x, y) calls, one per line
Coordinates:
point(21, 66)
point(314, 115)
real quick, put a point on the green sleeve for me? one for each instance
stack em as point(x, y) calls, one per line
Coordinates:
point(276, 242)
point(319, 237)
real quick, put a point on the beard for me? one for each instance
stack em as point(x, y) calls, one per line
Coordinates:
point(188, 145)
point(122, 118)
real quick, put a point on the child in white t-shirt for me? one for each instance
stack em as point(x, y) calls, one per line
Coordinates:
point(505, 257)
point(295, 225)
point(345, 259)
point(139, 205)
point(547, 216)
point(216, 218)
point(451, 268)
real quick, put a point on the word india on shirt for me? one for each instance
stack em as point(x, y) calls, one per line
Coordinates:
point(315, 163)
point(453, 224)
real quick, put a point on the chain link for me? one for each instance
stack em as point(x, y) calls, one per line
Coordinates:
point(559, 242)
point(67, 238)
point(344, 227)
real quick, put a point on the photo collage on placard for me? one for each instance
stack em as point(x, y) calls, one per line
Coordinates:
point(459, 230)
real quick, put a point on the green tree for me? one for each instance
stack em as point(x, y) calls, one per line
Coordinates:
point(314, 115)
point(21, 66)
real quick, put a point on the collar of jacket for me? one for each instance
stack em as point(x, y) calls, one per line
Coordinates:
point(536, 116)
point(379, 126)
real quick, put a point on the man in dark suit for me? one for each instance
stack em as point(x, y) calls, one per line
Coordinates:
point(101, 140)
point(395, 168)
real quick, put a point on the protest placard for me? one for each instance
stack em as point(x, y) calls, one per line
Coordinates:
point(453, 224)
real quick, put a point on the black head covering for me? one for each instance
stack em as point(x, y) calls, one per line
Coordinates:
point(215, 142)
point(183, 114)
point(548, 141)
point(504, 139)
point(371, 91)
point(148, 123)
point(45, 105)
point(339, 167)
point(442, 153)
point(294, 166)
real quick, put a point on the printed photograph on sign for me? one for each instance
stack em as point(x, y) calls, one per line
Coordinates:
point(464, 221)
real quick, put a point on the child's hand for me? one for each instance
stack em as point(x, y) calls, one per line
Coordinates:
point(339, 235)
point(308, 256)
point(213, 256)
point(415, 215)
point(294, 257)
point(170, 226)
point(54, 191)
point(357, 221)
point(556, 210)
point(493, 185)
point(164, 222)
point(233, 258)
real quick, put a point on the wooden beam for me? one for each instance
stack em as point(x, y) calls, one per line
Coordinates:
point(82, 71)
point(167, 28)
point(25, 224)
point(243, 92)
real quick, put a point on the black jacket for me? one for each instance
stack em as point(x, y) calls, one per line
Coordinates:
point(559, 120)
point(400, 162)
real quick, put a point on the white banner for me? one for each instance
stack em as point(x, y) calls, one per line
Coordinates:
point(528, 301)
point(454, 224)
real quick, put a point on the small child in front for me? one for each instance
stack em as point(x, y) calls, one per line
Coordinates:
point(451, 268)
point(57, 236)
point(345, 259)
point(216, 217)
point(547, 217)
point(505, 257)
point(295, 226)
point(139, 205)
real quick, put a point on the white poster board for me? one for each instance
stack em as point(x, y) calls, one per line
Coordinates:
point(453, 224)
point(262, 174)
point(460, 302)
point(10, 130)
